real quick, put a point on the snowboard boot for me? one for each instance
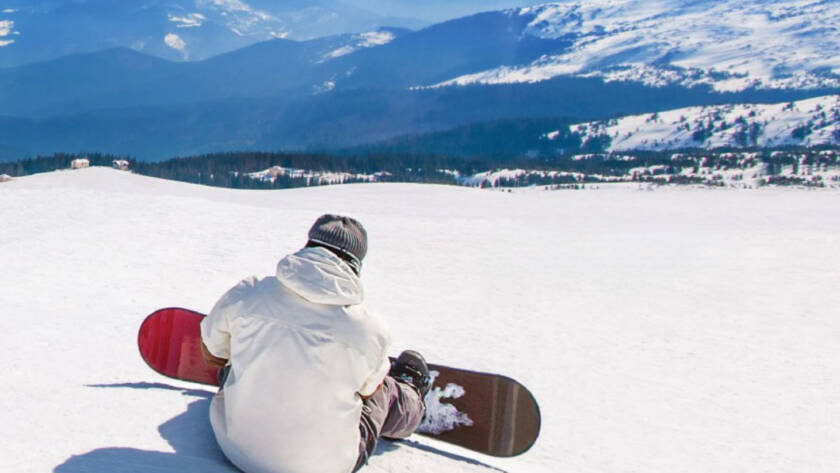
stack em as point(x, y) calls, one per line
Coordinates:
point(410, 368)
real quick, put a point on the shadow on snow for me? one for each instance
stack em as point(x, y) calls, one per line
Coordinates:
point(191, 436)
point(386, 446)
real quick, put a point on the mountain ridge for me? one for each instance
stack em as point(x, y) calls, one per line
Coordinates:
point(810, 122)
point(37, 30)
point(346, 90)
point(731, 45)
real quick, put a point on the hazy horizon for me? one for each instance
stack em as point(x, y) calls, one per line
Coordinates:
point(437, 10)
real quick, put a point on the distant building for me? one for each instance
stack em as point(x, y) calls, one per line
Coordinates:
point(80, 163)
point(120, 164)
point(5, 178)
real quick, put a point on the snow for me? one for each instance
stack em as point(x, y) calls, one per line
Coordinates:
point(502, 177)
point(491, 177)
point(680, 330)
point(731, 45)
point(360, 41)
point(774, 125)
point(316, 177)
point(376, 38)
point(442, 416)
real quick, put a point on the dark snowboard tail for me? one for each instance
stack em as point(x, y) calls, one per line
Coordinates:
point(487, 413)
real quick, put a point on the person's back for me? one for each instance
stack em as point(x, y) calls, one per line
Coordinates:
point(329, 347)
point(302, 355)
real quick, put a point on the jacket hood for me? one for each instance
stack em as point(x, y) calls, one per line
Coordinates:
point(320, 277)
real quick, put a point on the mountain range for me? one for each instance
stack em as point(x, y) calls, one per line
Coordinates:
point(729, 45)
point(183, 30)
point(577, 60)
point(38, 30)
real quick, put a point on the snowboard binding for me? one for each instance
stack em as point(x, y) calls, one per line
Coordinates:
point(411, 368)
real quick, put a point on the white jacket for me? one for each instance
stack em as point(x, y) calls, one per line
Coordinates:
point(302, 349)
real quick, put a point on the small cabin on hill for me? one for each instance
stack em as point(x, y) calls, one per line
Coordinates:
point(80, 163)
point(5, 178)
point(120, 164)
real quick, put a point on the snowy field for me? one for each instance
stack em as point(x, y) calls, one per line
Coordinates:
point(674, 331)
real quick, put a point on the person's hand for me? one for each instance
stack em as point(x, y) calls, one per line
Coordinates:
point(365, 398)
point(210, 359)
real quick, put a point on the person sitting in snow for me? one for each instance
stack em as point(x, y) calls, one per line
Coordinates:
point(307, 385)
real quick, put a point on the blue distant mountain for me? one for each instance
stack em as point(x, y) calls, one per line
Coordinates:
point(387, 58)
point(584, 60)
point(38, 30)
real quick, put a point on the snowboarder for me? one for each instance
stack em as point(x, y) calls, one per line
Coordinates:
point(308, 386)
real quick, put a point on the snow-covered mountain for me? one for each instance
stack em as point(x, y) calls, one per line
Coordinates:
point(810, 122)
point(730, 45)
point(603, 59)
point(32, 31)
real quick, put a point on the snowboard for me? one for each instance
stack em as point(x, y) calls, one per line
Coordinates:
point(486, 413)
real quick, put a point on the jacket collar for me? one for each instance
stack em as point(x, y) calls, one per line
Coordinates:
point(319, 276)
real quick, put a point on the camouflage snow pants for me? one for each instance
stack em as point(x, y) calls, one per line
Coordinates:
point(393, 412)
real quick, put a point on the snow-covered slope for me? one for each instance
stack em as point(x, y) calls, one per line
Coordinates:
point(314, 177)
point(802, 123)
point(729, 44)
point(360, 41)
point(679, 330)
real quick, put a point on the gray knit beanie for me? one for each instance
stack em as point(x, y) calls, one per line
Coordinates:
point(343, 234)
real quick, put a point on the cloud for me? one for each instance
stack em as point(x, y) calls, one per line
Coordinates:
point(227, 5)
point(175, 42)
point(191, 20)
point(240, 17)
point(6, 27)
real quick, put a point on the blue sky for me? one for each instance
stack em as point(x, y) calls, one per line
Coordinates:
point(436, 10)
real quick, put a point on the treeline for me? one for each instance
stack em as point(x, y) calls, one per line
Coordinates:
point(620, 163)
point(55, 162)
point(501, 140)
point(234, 169)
